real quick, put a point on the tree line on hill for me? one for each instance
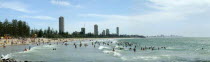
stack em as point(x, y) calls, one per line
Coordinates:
point(19, 28)
point(16, 28)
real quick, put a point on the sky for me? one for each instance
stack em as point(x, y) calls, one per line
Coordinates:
point(190, 18)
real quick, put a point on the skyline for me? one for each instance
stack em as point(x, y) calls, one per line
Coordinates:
point(152, 17)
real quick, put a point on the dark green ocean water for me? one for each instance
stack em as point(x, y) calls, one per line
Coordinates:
point(177, 50)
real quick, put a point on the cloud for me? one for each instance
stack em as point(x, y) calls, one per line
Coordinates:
point(38, 17)
point(168, 12)
point(59, 2)
point(151, 17)
point(64, 3)
point(183, 6)
point(17, 6)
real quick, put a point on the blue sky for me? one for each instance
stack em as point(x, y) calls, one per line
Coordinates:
point(144, 17)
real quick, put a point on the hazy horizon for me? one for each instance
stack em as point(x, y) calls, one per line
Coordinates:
point(189, 18)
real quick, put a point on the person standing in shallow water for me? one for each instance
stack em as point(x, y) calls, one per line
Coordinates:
point(75, 46)
point(134, 49)
point(80, 44)
point(29, 48)
point(113, 49)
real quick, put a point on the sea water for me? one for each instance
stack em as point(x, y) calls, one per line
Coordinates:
point(177, 50)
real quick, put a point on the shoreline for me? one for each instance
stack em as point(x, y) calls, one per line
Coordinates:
point(27, 41)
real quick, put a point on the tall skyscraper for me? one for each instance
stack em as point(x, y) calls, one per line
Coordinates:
point(107, 32)
point(83, 31)
point(96, 29)
point(61, 24)
point(117, 31)
point(103, 33)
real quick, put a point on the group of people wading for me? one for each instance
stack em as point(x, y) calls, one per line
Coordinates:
point(130, 46)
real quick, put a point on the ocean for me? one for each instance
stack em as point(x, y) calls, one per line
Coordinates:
point(184, 49)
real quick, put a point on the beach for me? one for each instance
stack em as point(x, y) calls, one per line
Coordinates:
point(26, 41)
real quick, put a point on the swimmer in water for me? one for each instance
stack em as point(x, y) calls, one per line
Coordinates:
point(25, 49)
point(66, 44)
point(130, 48)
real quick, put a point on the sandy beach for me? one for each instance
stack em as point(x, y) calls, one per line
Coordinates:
point(26, 41)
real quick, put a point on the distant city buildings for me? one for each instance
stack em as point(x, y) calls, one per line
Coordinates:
point(95, 29)
point(107, 32)
point(82, 31)
point(61, 24)
point(117, 31)
point(103, 33)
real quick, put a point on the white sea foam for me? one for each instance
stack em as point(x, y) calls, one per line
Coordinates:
point(35, 49)
point(31, 50)
point(118, 46)
point(50, 46)
point(171, 48)
point(117, 54)
point(6, 56)
point(114, 41)
point(124, 58)
point(103, 47)
point(107, 52)
point(147, 57)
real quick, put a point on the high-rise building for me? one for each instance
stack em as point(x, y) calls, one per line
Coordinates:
point(61, 24)
point(117, 31)
point(96, 29)
point(103, 33)
point(83, 31)
point(107, 32)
